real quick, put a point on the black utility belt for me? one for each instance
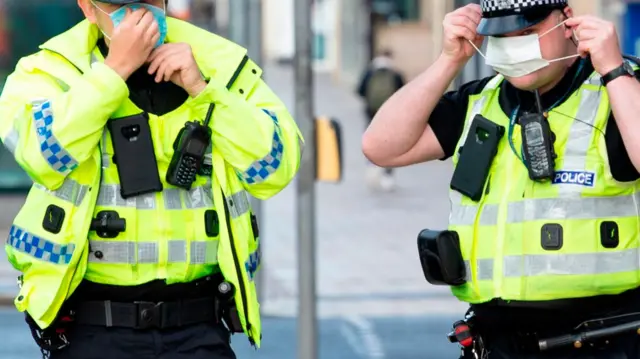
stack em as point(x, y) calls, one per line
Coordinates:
point(147, 315)
point(216, 308)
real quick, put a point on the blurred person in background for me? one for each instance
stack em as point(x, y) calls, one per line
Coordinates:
point(144, 136)
point(379, 82)
point(544, 194)
point(179, 9)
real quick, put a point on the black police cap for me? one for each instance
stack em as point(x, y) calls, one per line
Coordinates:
point(504, 16)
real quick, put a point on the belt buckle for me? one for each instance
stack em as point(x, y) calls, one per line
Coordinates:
point(149, 315)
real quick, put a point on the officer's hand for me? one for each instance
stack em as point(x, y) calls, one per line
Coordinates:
point(460, 28)
point(132, 42)
point(175, 63)
point(598, 38)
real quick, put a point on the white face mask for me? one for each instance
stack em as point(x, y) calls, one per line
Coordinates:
point(517, 56)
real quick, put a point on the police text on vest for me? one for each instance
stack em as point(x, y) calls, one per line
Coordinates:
point(580, 178)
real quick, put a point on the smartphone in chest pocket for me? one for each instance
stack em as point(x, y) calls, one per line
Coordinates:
point(134, 155)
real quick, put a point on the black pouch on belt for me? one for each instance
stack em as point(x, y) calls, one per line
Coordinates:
point(441, 258)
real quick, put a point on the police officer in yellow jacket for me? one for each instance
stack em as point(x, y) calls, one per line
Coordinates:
point(543, 236)
point(144, 136)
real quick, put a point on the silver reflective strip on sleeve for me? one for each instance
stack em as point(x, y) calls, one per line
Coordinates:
point(106, 159)
point(129, 252)
point(70, 191)
point(10, 142)
point(238, 204)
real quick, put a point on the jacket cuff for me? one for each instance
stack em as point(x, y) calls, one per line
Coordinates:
point(107, 80)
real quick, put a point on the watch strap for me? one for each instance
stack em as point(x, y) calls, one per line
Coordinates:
point(622, 70)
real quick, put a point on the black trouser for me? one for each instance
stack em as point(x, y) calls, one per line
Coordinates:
point(506, 346)
point(198, 341)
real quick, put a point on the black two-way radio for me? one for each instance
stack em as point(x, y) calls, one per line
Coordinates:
point(189, 148)
point(537, 143)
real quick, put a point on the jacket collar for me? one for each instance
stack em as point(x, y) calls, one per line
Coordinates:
point(217, 57)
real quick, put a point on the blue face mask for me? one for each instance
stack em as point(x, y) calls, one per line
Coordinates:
point(159, 14)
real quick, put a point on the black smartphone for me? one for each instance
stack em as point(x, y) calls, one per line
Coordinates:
point(134, 155)
point(476, 156)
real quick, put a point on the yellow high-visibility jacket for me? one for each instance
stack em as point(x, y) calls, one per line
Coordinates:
point(53, 113)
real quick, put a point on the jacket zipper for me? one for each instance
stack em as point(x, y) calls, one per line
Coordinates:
point(243, 292)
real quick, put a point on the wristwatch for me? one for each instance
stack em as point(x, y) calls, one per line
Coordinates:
point(623, 70)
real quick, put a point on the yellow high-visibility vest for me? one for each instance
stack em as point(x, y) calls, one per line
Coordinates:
point(503, 235)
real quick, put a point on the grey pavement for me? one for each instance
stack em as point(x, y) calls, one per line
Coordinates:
point(369, 275)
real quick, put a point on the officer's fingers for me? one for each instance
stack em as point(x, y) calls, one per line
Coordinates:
point(160, 72)
point(133, 16)
point(151, 31)
point(574, 22)
point(471, 12)
point(166, 69)
point(462, 32)
point(173, 65)
point(156, 62)
point(472, 8)
point(475, 20)
point(587, 34)
point(584, 48)
point(154, 40)
point(146, 21)
point(160, 52)
point(465, 22)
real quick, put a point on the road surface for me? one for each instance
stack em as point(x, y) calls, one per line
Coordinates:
point(371, 290)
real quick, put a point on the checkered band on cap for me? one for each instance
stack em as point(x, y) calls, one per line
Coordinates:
point(516, 6)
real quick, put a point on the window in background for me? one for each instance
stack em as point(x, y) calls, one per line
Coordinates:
point(397, 10)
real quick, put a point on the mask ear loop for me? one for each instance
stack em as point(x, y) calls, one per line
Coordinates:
point(477, 49)
point(106, 13)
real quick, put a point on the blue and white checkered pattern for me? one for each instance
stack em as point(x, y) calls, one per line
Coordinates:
point(252, 264)
point(39, 248)
point(261, 169)
point(57, 157)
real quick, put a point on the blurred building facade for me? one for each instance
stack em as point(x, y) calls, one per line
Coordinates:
point(348, 32)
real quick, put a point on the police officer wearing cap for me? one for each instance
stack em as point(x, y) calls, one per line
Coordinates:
point(543, 235)
point(144, 136)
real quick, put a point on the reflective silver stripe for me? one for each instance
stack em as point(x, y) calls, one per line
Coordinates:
point(70, 191)
point(572, 264)
point(173, 198)
point(561, 264)
point(11, 141)
point(554, 209)
point(455, 198)
point(476, 108)
point(124, 252)
point(575, 155)
point(484, 269)
point(109, 196)
point(106, 159)
point(238, 204)
point(579, 139)
point(550, 209)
